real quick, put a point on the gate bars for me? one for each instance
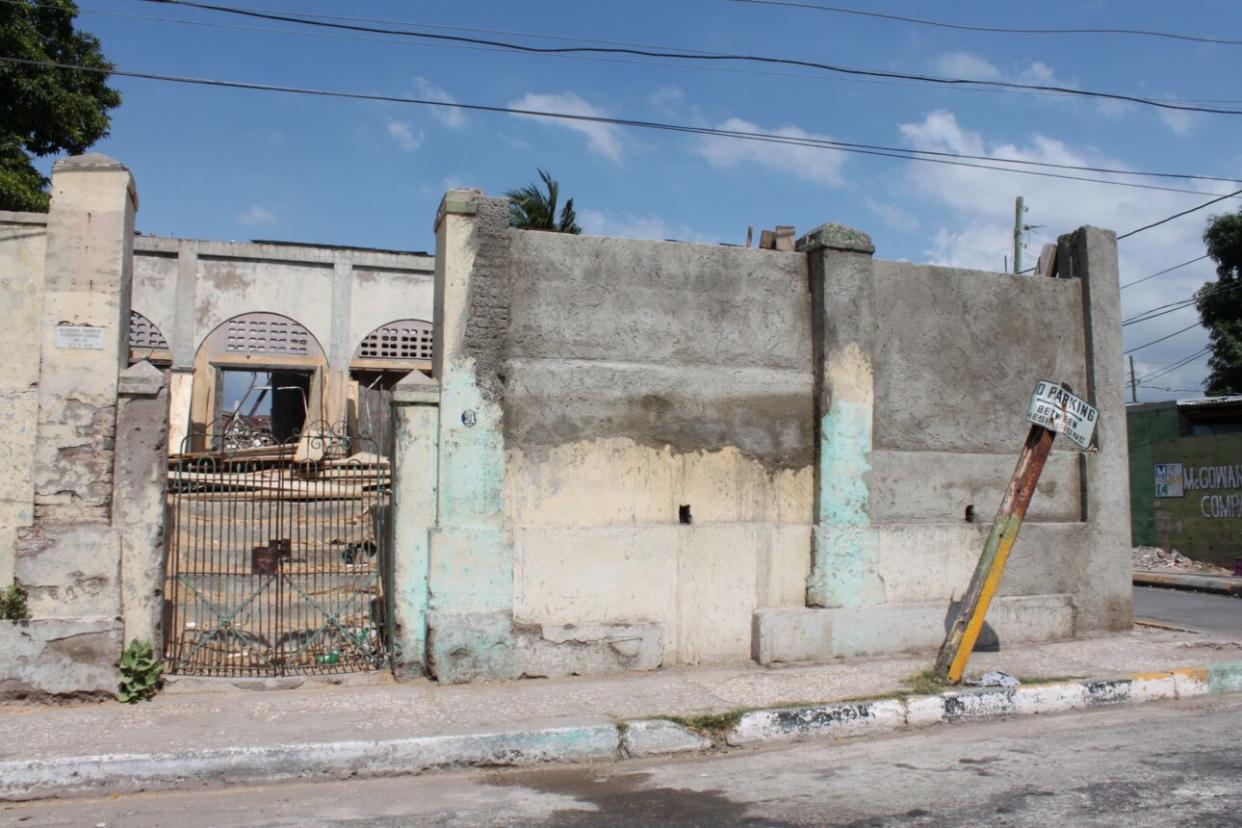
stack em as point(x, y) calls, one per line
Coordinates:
point(277, 554)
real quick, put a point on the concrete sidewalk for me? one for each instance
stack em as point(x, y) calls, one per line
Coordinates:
point(198, 732)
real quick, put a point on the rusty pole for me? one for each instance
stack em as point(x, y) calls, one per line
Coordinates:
point(961, 638)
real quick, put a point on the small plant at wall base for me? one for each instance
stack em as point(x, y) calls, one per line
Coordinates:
point(533, 209)
point(140, 672)
point(13, 604)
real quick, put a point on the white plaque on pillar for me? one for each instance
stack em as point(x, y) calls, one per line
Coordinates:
point(80, 337)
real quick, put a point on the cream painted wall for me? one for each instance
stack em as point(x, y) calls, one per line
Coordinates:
point(23, 239)
point(597, 540)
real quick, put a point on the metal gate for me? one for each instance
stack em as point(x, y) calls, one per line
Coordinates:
point(277, 554)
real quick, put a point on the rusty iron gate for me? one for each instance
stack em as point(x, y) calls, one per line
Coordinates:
point(277, 553)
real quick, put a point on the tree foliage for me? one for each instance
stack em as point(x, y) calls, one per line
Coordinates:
point(531, 208)
point(1220, 305)
point(45, 111)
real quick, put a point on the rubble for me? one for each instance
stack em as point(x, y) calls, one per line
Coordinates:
point(1154, 557)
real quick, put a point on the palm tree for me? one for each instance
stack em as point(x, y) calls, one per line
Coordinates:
point(532, 209)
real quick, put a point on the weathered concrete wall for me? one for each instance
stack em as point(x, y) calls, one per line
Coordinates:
point(188, 288)
point(736, 448)
point(924, 374)
point(1202, 517)
point(1146, 426)
point(23, 238)
point(216, 281)
point(84, 498)
point(643, 378)
point(69, 552)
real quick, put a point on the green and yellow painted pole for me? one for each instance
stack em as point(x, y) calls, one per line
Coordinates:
point(961, 638)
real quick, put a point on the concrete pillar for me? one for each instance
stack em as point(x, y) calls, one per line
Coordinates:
point(339, 352)
point(140, 485)
point(1090, 254)
point(180, 396)
point(84, 335)
point(471, 568)
point(844, 547)
point(182, 342)
point(415, 469)
point(69, 558)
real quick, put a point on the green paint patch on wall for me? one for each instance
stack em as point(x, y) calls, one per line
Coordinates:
point(1145, 429)
point(1196, 495)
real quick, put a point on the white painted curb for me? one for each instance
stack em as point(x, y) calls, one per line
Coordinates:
point(128, 772)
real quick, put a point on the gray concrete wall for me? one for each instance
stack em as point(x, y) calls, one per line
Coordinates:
point(839, 429)
point(642, 378)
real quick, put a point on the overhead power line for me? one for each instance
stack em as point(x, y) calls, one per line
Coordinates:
point(1167, 219)
point(667, 54)
point(766, 137)
point(1162, 272)
point(545, 36)
point(1161, 310)
point(1162, 339)
point(1179, 364)
point(941, 24)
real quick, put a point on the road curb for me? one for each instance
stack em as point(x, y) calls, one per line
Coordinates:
point(131, 772)
point(1220, 584)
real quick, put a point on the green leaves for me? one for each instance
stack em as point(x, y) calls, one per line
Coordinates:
point(13, 604)
point(1220, 305)
point(46, 110)
point(140, 672)
point(533, 209)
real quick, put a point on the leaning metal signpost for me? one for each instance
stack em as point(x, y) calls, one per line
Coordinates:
point(1053, 409)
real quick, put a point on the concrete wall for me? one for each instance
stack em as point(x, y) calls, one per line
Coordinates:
point(741, 452)
point(1146, 426)
point(641, 378)
point(23, 244)
point(87, 446)
point(1205, 522)
point(188, 288)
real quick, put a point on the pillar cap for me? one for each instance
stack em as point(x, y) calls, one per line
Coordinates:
point(461, 201)
point(416, 389)
point(142, 379)
point(97, 162)
point(835, 237)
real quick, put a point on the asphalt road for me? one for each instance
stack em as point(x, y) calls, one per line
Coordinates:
point(1202, 611)
point(1165, 763)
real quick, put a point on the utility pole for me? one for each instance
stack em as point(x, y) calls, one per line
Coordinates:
point(1133, 381)
point(1018, 210)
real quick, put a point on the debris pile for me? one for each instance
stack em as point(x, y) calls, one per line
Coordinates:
point(1153, 557)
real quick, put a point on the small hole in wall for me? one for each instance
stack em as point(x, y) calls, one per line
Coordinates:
point(683, 514)
point(970, 513)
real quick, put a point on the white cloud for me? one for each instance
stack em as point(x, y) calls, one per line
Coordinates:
point(449, 116)
point(666, 97)
point(807, 162)
point(965, 65)
point(256, 216)
point(1179, 120)
point(602, 139)
point(973, 227)
point(404, 136)
point(893, 215)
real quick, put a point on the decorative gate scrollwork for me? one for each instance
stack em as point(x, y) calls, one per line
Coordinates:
point(277, 554)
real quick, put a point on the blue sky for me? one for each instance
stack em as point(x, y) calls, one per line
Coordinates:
point(227, 164)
